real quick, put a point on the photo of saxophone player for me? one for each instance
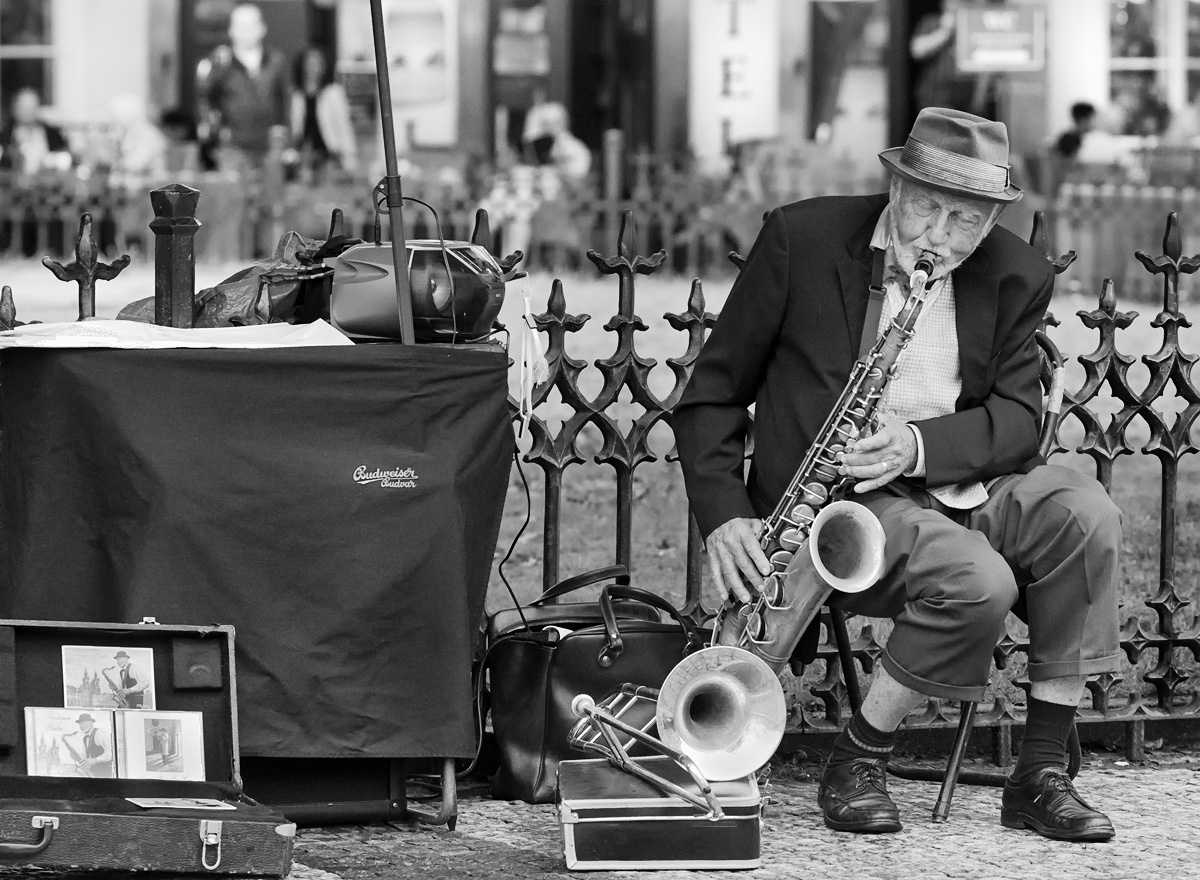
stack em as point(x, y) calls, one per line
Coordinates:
point(129, 686)
point(90, 749)
point(976, 523)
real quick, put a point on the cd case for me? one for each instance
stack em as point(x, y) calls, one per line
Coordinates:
point(69, 742)
point(160, 745)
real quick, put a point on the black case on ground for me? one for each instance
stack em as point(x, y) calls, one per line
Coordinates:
point(612, 820)
point(75, 822)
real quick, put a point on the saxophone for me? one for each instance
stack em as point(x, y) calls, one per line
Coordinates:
point(721, 712)
point(815, 541)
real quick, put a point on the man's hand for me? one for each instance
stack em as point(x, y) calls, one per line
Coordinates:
point(878, 459)
point(734, 554)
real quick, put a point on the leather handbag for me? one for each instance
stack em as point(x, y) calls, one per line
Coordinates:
point(534, 672)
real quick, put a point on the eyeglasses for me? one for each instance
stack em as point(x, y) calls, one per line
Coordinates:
point(967, 221)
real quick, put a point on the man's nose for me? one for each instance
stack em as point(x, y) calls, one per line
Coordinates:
point(939, 228)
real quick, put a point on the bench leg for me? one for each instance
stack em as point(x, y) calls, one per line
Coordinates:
point(448, 813)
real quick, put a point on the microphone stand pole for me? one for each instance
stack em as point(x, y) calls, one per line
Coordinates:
point(394, 195)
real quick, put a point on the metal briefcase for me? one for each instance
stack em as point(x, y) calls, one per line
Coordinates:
point(613, 821)
point(78, 821)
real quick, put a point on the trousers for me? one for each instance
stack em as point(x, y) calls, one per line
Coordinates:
point(1045, 545)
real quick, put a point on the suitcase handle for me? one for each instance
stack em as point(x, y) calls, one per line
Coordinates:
point(47, 824)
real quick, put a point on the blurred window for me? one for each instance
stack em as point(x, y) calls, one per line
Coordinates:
point(1155, 60)
point(26, 49)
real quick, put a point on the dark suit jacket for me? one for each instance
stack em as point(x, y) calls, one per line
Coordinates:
point(788, 336)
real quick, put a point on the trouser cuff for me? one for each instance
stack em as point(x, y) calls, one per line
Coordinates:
point(931, 688)
point(1072, 668)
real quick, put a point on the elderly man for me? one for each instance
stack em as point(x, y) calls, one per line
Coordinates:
point(132, 682)
point(95, 752)
point(976, 523)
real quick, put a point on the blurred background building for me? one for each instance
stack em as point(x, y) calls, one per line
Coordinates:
point(737, 90)
point(673, 75)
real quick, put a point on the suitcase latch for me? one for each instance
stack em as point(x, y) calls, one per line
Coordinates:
point(210, 836)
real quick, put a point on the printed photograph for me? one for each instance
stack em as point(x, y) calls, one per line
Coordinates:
point(106, 677)
point(69, 742)
point(181, 803)
point(160, 745)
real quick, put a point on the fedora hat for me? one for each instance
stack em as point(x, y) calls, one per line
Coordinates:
point(85, 717)
point(955, 152)
point(120, 654)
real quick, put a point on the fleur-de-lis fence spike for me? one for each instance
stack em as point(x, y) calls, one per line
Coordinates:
point(87, 267)
point(8, 309)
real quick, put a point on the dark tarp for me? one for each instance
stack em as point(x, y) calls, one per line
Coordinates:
point(338, 505)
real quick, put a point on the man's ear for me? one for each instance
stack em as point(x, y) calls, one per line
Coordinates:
point(991, 223)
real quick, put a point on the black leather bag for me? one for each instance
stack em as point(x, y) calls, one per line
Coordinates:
point(535, 672)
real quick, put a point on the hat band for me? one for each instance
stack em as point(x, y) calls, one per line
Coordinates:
point(954, 168)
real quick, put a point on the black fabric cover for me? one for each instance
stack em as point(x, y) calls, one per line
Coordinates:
point(242, 487)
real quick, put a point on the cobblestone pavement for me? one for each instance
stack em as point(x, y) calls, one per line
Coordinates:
point(1156, 810)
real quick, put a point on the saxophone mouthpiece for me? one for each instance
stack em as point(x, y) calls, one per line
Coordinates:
point(920, 274)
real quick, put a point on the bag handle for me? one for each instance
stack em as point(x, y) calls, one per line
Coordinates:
point(617, 573)
point(614, 644)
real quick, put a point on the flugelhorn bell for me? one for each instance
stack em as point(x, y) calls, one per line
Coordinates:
point(723, 707)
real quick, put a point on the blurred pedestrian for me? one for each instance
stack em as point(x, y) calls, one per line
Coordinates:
point(139, 146)
point(243, 93)
point(28, 143)
point(322, 131)
point(939, 82)
point(542, 120)
point(1083, 121)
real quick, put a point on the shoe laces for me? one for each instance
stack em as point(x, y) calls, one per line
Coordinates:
point(1061, 781)
point(871, 774)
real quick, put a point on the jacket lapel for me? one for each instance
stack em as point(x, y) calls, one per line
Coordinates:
point(975, 305)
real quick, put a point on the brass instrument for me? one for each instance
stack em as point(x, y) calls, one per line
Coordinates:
point(75, 756)
point(122, 701)
point(723, 707)
point(844, 540)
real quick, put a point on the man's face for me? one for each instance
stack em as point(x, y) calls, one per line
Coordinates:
point(122, 662)
point(945, 227)
point(25, 106)
point(246, 27)
point(85, 726)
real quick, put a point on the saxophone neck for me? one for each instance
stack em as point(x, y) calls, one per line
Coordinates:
point(919, 279)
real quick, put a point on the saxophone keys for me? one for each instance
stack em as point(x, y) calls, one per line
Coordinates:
point(772, 590)
point(814, 494)
point(756, 627)
point(780, 559)
point(825, 472)
point(792, 539)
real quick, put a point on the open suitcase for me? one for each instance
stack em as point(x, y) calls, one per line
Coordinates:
point(85, 820)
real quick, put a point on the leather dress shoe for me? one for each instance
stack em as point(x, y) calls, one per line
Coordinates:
point(1048, 803)
point(853, 796)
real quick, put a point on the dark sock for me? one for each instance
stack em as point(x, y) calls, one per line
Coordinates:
point(859, 739)
point(1045, 741)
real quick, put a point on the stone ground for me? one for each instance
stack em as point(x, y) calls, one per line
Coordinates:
point(1155, 808)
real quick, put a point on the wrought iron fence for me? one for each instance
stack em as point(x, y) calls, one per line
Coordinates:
point(1160, 638)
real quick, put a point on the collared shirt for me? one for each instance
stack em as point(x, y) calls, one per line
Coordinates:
point(928, 376)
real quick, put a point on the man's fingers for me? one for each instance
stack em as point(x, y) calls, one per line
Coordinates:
point(735, 558)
